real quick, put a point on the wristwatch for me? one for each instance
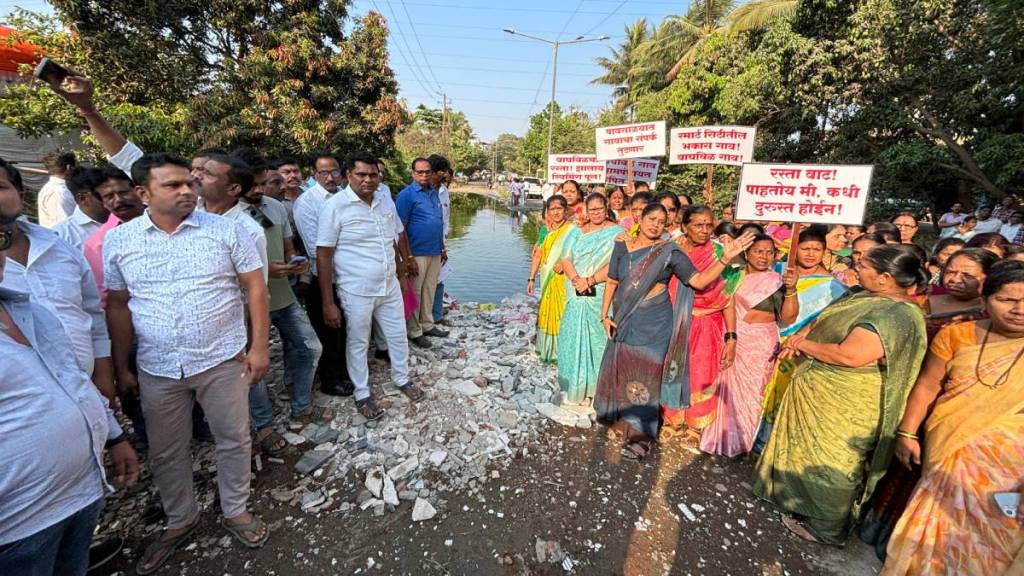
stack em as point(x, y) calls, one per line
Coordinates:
point(730, 336)
point(122, 437)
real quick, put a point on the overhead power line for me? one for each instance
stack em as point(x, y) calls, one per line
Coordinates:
point(409, 60)
point(417, 37)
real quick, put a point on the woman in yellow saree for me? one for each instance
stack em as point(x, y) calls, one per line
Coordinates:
point(834, 433)
point(974, 444)
point(547, 267)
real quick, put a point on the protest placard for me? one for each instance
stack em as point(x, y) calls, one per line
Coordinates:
point(583, 168)
point(732, 145)
point(644, 170)
point(808, 193)
point(631, 141)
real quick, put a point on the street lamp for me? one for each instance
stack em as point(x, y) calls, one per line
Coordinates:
point(554, 77)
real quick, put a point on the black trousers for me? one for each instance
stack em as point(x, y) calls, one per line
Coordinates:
point(333, 369)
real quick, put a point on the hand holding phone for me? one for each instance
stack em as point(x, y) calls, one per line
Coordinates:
point(297, 259)
point(1008, 503)
point(50, 72)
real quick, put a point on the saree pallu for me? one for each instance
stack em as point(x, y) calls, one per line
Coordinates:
point(833, 438)
point(814, 293)
point(707, 343)
point(581, 337)
point(741, 386)
point(552, 294)
point(974, 448)
point(644, 366)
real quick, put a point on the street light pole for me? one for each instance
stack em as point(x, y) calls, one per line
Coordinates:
point(554, 79)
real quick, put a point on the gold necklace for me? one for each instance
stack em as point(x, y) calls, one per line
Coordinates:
point(977, 365)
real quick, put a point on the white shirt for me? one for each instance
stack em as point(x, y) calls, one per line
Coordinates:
point(950, 218)
point(76, 228)
point(306, 211)
point(239, 214)
point(363, 236)
point(125, 157)
point(1009, 231)
point(54, 427)
point(59, 277)
point(990, 225)
point(54, 202)
point(185, 298)
point(446, 206)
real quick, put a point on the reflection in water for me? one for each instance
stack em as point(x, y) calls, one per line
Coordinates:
point(488, 249)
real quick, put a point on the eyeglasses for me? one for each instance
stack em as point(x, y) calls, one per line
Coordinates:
point(423, 172)
point(905, 226)
point(6, 239)
point(326, 173)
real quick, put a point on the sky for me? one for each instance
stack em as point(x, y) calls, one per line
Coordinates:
point(457, 48)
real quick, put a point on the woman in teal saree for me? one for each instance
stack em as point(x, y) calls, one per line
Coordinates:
point(581, 339)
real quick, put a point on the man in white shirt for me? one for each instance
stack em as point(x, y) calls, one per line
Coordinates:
point(1012, 230)
point(443, 175)
point(176, 281)
point(986, 222)
point(55, 427)
point(57, 276)
point(223, 180)
point(949, 221)
point(90, 214)
point(334, 373)
point(356, 248)
point(54, 202)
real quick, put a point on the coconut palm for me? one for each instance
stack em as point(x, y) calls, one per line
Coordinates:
point(681, 37)
point(621, 68)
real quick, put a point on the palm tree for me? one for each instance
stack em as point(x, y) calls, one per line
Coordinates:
point(682, 37)
point(621, 68)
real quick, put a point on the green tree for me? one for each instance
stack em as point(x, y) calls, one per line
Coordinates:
point(282, 77)
point(425, 135)
point(573, 131)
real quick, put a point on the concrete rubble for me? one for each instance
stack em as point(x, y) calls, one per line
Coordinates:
point(487, 399)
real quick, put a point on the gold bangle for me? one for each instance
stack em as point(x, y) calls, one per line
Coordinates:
point(907, 435)
point(791, 294)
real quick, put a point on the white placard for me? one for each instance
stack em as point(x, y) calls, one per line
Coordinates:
point(644, 169)
point(809, 193)
point(583, 168)
point(631, 141)
point(732, 145)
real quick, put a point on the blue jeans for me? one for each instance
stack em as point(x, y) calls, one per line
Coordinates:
point(439, 303)
point(60, 549)
point(302, 351)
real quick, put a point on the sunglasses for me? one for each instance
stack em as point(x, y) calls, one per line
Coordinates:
point(6, 239)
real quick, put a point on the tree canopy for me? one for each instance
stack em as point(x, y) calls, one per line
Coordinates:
point(176, 75)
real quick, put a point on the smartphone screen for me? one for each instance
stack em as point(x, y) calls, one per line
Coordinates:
point(50, 72)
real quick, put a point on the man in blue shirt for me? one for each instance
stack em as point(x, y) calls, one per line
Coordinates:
point(419, 207)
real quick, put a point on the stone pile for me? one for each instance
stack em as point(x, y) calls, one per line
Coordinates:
point(486, 400)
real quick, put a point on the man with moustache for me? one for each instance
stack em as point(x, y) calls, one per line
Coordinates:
point(334, 375)
point(176, 280)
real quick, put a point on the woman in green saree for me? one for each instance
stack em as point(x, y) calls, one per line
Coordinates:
point(547, 266)
point(581, 338)
point(833, 437)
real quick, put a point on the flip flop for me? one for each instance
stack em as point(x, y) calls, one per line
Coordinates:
point(798, 528)
point(159, 551)
point(236, 530)
point(412, 392)
point(635, 450)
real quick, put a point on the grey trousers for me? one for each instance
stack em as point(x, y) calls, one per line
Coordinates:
point(223, 392)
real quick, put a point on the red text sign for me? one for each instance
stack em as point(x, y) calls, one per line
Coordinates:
point(732, 145)
point(809, 193)
point(631, 141)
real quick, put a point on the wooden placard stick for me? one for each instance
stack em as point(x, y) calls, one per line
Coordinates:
point(709, 181)
point(630, 185)
point(794, 239)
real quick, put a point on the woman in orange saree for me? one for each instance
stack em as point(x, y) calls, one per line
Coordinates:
point(712, 330)
point(973, 444)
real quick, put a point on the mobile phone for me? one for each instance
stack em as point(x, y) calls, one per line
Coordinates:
point(1008, 502)
point(50, 72)
point(297, 260)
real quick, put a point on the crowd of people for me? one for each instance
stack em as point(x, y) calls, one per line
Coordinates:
point(149, 288)
point(879, 382)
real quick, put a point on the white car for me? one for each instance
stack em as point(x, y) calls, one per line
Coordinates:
point(533, 189)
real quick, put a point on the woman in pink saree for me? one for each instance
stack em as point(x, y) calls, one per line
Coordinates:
point(763, 300)
point(712, 330)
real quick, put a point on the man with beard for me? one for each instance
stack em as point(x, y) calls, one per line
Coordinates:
point(89, 214)
point(302, 349)
point(334, 376)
